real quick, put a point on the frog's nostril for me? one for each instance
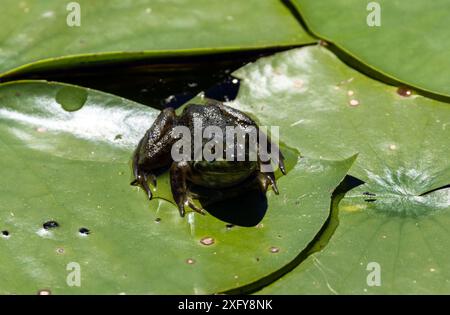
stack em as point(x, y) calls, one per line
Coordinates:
point(5, 234)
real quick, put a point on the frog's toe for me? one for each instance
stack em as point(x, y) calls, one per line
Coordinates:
point(266, 179)
point(141, 180)
point(281, 163)
point(194, 207)
point(147, 189)
point(184, 201)
point(152, 179)
point(181, 209)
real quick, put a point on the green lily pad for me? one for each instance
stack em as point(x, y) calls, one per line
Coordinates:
point(35, 34)
point(411, 44)
point(398, 218)
point(409, 248)
point(72, 167)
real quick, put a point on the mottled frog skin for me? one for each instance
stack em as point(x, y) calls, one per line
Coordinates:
point(153, 154)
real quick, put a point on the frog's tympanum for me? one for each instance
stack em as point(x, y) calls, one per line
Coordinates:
point(155, 152)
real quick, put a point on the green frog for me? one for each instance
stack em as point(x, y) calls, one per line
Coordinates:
point(155, 153)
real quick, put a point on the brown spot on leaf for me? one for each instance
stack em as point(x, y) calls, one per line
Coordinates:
point(207, 241)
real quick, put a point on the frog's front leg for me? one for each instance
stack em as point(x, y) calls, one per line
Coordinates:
point(141, 178)
point(179, 172)
point(153, 151)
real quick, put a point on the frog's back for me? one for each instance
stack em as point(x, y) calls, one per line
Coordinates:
point(208, 115)
point(221, 172)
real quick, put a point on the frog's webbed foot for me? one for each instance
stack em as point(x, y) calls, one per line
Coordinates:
point(180, 192)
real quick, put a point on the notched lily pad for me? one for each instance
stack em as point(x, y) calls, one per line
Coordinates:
point(398, 217)
point(409, 45)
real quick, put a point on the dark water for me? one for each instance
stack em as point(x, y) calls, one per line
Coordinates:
point(160, 82)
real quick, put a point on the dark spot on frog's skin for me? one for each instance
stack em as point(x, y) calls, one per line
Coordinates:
point(5, 233)
point(17, 94)
point(157, 220)
point(257, 259)
point(368, 193)
point(370, 200)
point(118, 137)
point(84, 231)
point(50, 225)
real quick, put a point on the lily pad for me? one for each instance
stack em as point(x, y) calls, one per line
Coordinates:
point(66, 201)
point(410, 44)
point(35, 35)
point(398, 218)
